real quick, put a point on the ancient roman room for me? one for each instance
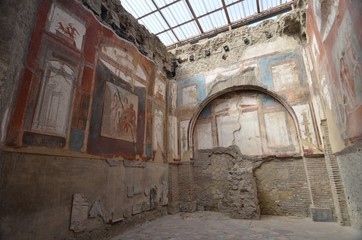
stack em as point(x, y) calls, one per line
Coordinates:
point(180, 119)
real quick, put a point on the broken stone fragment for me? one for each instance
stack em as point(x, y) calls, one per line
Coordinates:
point(79, 213)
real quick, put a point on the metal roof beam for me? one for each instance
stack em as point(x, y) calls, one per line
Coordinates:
point(226, 12)
point(168, 24)
point(258, 5)
point(157, 9)
point(194, 16)
point(251, 19)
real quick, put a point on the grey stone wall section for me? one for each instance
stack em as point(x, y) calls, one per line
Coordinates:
point(186, 183)
point(350, 164)
point(224, 181)
point(36, 195)
point(173, 193)
point(17, 21)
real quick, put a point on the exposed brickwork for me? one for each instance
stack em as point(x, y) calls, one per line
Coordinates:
point(186, 187)
point(173, 191)
point(283, 188)
point(319, 183)
point(335, 179)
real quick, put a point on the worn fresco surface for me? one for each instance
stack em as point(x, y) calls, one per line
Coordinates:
point(67, 27)
point(120, 112)
point(158, 128)
point(243, 119)
point(52, 110)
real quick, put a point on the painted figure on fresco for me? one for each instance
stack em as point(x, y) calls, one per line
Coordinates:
point(158, 129)
point(124, 116)
point(127, 121)
point(68, 30)
point(347, 85)
point(115, 113)
point(119, 114)
point(68, 27)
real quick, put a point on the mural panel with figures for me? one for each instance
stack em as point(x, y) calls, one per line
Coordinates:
point(347, 57)
point(158, 127)
point(67, 27)
point(160, 89)
point(119, 114)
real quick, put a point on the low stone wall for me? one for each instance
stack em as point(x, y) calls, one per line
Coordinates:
point(54, 197)
point(224, 182)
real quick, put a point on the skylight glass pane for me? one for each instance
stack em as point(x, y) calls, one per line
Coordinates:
point(177, 13)
point(167, 38)
point(161, 3)
point(227, 2)
point(204, 6)
point(236, 12)
point(250, 7)
point(154, 23)
point(212, 21)
point(186, 31)
point(138, 8)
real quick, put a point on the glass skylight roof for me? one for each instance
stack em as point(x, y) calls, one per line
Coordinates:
point(180, 21)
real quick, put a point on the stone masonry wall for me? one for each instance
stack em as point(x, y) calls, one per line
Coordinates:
point(58, 197)
point(224, 182)
point(350, 166)
point(173, 192)
point(186, 187)
point(283, 188)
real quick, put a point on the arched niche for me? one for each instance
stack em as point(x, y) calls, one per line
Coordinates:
point(269, 117)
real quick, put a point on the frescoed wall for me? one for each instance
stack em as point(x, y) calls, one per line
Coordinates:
point(335, 52)
point(339, 82)
point(258, 124)
point(86, 98)
point(281, 73)
point(89, 117)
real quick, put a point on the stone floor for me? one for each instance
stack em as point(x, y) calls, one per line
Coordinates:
point(213, 225)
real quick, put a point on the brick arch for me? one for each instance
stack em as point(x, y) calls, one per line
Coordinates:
point(243, 88)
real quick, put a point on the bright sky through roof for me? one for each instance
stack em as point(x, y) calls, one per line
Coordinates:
point(178, 20)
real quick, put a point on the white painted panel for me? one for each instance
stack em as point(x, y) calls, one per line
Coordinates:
point(276, 129)
point(248, 138)
point(305, 121)
point(204, 136)
point(226, 125)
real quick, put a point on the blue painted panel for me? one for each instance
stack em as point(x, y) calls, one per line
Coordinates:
point(206, 112)
point(149, 151)
point(199, 81)
point(76, 140)
point(265, 64)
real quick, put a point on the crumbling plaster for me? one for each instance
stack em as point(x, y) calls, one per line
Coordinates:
point(283, 33)
point(113, 14)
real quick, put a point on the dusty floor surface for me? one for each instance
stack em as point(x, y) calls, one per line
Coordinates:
point(213, 225)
